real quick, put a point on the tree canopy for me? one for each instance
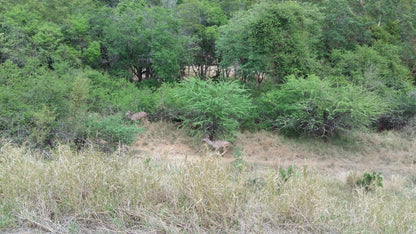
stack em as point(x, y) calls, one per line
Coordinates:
point(66, 66)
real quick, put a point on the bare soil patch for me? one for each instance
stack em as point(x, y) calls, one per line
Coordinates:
point(390, 153)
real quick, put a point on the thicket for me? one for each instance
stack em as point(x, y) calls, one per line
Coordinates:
point(74, 107)
point(319, 107)
point(70, 70)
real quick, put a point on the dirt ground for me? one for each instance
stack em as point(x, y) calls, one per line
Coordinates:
point(389, 153)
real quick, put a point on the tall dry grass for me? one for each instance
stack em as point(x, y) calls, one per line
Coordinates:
point(94, 192)
point(390, 153)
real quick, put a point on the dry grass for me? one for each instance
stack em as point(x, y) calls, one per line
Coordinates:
point(390, 153)
point(93, 192)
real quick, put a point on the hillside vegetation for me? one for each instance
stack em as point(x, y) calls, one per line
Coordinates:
point(69, 71)
point(327, 85)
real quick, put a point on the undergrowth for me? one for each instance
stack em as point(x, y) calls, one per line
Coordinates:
point(89, 190)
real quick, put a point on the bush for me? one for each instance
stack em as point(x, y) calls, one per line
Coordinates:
point(369, 181)
point(168, 106)
point(371, 67)
point(403, 109)
point(109, 96)
point(31, 103)
point(46, 105)
point(214, 108)
point(379, 69)
point(45, 124)
point(318, 107)
point(111, 129)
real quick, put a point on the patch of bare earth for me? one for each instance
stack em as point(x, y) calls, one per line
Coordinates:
point(390, 153)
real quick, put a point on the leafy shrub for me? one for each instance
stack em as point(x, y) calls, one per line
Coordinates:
point(239, 163)
point(109, 96)
point(370, 181)
point(14, 115)
point(79, 95)
point(45, 124)
point(30, 107)
point(379, 69)
point(214, 108)
point(47, 105)
point(285, 175)
point(371, 67)
point(403, 109)
point(111, 129)
point(318, 107)
point(168, 106)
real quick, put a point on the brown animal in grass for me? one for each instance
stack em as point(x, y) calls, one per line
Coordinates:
point(137, 116)
point(218, 145)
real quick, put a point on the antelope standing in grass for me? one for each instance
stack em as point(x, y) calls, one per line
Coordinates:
point(217, 145)
point(137, 116)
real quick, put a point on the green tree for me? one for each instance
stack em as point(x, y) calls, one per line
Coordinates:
point(408, 35)
point(48, 32)
point(200, 19)
point(18, 25)
point(269, 40)
point(230, 7)
point(343, 28)
point(144, 41)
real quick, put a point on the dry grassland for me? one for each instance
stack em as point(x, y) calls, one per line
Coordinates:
point(167, 182)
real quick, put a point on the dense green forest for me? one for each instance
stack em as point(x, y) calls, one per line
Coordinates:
point(70, 70)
